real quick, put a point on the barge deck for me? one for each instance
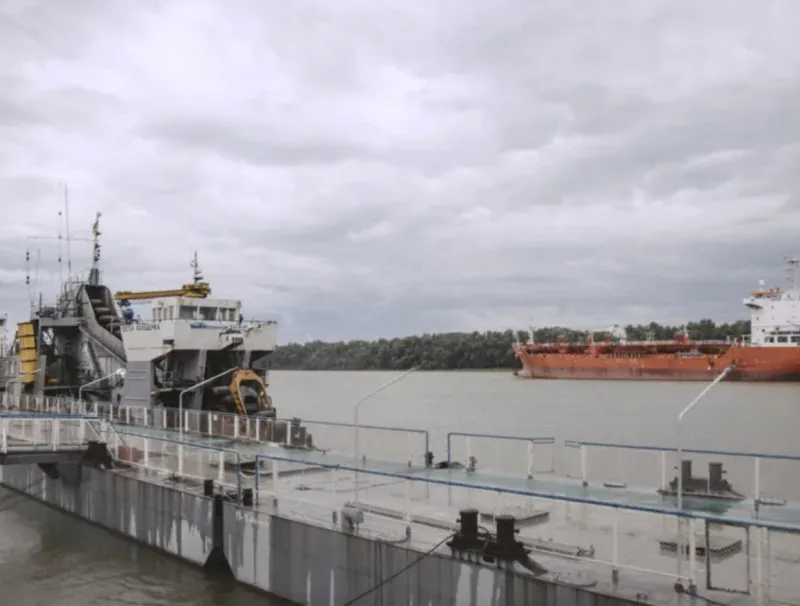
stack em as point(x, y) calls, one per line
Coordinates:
point(292, 526)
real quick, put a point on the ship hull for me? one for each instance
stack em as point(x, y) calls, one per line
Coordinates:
point(754, 364)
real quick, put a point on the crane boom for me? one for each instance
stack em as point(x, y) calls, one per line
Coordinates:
point(199, 290)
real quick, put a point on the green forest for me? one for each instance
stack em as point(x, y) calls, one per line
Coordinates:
point(455, 350)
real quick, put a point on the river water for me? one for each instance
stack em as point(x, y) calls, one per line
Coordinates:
point(49, 559)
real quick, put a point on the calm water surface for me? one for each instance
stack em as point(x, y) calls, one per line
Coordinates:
point(49, 559)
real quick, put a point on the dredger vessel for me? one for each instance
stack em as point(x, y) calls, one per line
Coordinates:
point(93, 344)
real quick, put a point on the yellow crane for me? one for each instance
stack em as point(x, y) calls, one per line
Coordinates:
point(197, 290)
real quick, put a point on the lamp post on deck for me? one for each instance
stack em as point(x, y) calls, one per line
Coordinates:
point(120, 372)
point(193, 388)
point(679, 453)
point(682, 414)
point(357, 427)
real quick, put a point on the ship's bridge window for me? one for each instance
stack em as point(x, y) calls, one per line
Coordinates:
point(783, 339)
point(796, 339)
point(770, 339)
point(186, 312)
point(208, 313)
point(170, 312)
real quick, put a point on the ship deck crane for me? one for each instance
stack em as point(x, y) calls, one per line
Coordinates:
point(196, 290)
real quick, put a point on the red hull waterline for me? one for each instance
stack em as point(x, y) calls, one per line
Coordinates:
point(641, 374)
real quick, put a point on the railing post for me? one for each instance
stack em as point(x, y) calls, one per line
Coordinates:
point(615, 545)
point(221, 471)
point(692, 555)
point(180, 460)
point(275, 477)
point(530, 459)
point(127, 415)
point(663, 470)
point(258, 429)
point(757, 481)
point(4, 425)
point(407, 514)
point(410, 449)
point(583, 465)
point(236, 427)
point(146, 453)
point(238, 474)
point(759, 566)
point(54, 430)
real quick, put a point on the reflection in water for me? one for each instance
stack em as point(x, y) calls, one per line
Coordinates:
point(49, 558)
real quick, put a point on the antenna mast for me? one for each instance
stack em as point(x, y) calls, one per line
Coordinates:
point(28, 279)
point(66, 219)
point(198, 274)
point(793, 268)
point(94, 274)
point(60, 263)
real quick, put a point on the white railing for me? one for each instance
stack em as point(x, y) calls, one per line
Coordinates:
point(20, 432)
point(169, 458)
point(377, 441)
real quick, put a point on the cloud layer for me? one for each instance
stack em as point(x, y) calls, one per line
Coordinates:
point(360, 169)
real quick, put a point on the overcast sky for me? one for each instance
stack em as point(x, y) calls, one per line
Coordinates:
point(372, 168)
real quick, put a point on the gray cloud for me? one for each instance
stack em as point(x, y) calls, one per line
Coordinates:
point(376, 169)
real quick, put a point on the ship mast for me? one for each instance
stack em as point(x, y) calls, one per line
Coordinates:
point(793, 269)
point(197, 275)
point(94, 273)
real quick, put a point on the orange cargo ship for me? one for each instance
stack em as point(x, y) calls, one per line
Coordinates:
point(770, 353)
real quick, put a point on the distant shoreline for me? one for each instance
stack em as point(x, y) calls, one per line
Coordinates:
point(487, 351)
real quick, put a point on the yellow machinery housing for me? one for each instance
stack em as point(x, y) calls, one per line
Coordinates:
point(28, 352)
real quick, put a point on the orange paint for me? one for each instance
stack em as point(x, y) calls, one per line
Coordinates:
point(679, 361)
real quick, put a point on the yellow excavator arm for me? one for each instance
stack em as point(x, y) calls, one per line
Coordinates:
point(251, 379)
point(199, 290)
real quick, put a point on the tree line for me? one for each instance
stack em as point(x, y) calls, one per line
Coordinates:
point(475, 350)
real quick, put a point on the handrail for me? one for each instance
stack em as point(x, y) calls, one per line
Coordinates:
point(467, 434)
point(424, 432)
point(45, 416)
point(227, 415)
point(196, 445)
point(729, 453)
point(688, 514)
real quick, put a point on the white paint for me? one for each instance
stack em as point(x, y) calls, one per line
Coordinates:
point(775, 313)
point(145, 341)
